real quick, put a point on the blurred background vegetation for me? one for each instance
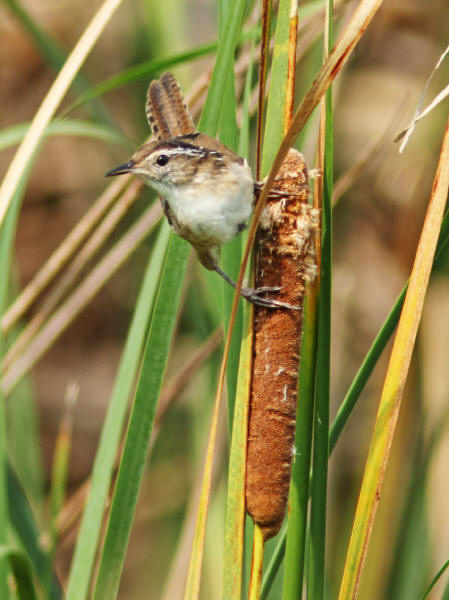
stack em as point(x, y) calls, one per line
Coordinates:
point(377, 221)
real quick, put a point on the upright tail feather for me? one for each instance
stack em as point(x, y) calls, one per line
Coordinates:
point(156, 109)
point(182, 119)
point(166, 110)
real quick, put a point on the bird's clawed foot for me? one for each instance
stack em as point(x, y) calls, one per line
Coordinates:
point(254, 295)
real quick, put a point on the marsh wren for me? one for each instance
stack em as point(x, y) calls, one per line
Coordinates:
point(207, 191)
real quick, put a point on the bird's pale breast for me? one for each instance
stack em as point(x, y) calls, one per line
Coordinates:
point(212, 212)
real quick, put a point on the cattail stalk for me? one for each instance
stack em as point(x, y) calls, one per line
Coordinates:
point(285, 258)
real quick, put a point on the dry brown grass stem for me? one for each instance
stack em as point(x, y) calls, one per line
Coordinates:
point(72, 306)
point(62, 254)
point(92, 246)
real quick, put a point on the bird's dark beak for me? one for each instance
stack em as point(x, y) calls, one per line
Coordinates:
point(122, 169)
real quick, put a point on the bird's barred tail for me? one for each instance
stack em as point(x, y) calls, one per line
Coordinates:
point(166, 110)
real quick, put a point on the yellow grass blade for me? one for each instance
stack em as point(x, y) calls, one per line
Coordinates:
point(395, 380)
point(192, 590)
point(257, 564)
point(51, 102)
point(235, 509)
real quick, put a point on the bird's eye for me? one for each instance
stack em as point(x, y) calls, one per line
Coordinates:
point(162, 160)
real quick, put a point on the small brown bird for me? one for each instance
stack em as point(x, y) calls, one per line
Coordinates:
point(207, 190)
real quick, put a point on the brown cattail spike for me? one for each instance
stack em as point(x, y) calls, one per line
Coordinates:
point(285, 258)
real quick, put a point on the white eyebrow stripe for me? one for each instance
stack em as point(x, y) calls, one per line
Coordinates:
point(181, 151)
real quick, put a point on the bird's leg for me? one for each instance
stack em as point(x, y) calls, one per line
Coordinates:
point(253, 295)
point(208, 260)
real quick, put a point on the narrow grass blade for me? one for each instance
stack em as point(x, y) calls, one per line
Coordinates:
point(275, 122)
point(88, 536)
point(410, 558)
point(263, 62)
point(27, 532)
point(24, 449)
point(4, 510)
point(53, 54)
point(63, 446)
point(14, 506)
point(141, 421)
point(317, 542)
point(235, 509)
point(299, 487)
point(59, 470)
point(395, 380)
point(274, 564)
point(239, 368)
point(417, 502)
point(223, 64)
point(7, 231)
point(299, 490)
point(231, 253)
point(257, 565)
point(22, 572)
point(192, 588)
point(15, 134)
point(419, 113)
point(51, 102)
point(365, 370)
point(145, 70)
point(435, 581)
